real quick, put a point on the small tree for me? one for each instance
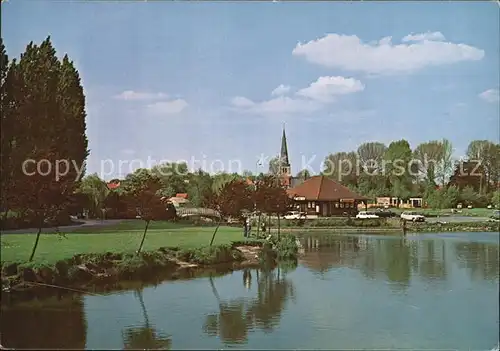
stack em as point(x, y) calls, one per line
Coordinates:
point(281, 204)
point(144, 195)
point(43, 193)
point(232, 200)
point(263, 195)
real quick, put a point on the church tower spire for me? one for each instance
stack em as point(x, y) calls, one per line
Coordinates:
point(284, 160)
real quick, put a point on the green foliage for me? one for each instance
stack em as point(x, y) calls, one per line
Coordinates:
point(495, 198)
point(210, 255)
point(285, 247)
point(200, 188)
point(97, 191)
point(443, 197)
point(341, 167)
point(468, 196)
point(397, 157)
point(488, 154)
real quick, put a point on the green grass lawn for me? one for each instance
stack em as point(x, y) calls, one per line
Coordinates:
point(123, 238)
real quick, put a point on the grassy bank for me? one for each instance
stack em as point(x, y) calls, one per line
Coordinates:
point(120, 238)
point(107, 256)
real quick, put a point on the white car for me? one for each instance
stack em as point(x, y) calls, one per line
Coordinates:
point(366, 215)
point(295, 215)
point(412, 216)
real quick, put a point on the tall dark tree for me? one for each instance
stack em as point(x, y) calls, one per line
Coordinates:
point(43, 114)
point(71, 100)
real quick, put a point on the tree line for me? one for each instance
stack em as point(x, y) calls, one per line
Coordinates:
point(428, 171)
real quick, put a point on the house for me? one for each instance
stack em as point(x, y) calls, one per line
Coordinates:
point(322, 196)
point(113, 185)
point(179, 200)
point(387, 201)
point(469, 173)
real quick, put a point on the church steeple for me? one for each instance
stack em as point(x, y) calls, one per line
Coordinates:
point(284, 161)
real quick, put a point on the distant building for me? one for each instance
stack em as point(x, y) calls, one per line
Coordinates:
point(113, 185)
point(179, 200)
point(322, 196)
point(412, 202)
point(468, 173)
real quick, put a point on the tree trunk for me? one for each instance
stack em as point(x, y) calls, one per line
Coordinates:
point(5, 215)
point(215, 231)
point(214, 290)
point(258, 225)
point(143, 307)
point(36, 240)
point(143, 237)
point(269, 223)
point(279, 226)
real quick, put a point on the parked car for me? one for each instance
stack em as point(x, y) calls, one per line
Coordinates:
point(385, 213)
point(366, 215)
point(295, 215)
point(412, 216)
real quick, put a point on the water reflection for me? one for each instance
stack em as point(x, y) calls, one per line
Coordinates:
point(55, 323)
point(396, 259)
point(480, 259)
point(236, 317)
point(144, 337)
point(418, 283)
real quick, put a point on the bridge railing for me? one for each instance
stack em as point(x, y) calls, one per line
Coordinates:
point(194, 211)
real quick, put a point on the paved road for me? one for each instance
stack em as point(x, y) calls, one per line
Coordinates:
point(456, 219)
point(93, 223)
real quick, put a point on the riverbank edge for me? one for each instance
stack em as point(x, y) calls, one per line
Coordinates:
point(411, 228)
point(87, 273)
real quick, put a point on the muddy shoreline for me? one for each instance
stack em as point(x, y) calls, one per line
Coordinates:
point(108, 272)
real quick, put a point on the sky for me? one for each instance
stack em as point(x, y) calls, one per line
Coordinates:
point(214, 83)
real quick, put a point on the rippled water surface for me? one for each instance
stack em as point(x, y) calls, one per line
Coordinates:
point(426, 291)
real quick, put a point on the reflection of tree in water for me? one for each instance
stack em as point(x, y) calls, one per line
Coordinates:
point(431, 255)
point(321, 254)
point(145, 337)
point(236, 317)
point(51, 324)
point(398, 268)
point(394, 259)
point(480, 258)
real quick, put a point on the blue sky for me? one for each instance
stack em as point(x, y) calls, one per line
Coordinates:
point(173, 81)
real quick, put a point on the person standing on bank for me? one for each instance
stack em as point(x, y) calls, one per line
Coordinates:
point(249, 227)
point(405, 228)
point(245, 228)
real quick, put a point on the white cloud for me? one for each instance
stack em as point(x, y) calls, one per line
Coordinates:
point(383, 57)
point(131, 95)
point(128, 151)
point(240, 101)
point(280, 90)
point(325, 89)
point(437, 36)
point(490, 95)
point(167, 107)
point(313, 98)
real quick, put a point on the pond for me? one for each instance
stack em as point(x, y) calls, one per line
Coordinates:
point(435, 291)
